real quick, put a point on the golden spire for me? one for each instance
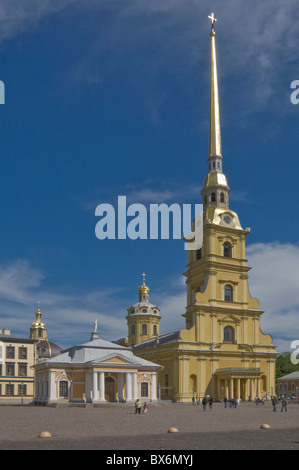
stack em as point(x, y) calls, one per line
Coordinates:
point(215, 132)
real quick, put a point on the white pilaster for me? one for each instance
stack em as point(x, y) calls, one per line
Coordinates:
point(53, 389)
point(134, 386)
point(154, 387)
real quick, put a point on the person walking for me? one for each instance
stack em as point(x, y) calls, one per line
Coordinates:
point(225, 402)
point(284, 405)
point(138, 405)
point(204, 403)
point(274, 403)
point(211, 403)
point(145, 407)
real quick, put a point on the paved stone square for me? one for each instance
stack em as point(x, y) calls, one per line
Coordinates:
point(117, 427)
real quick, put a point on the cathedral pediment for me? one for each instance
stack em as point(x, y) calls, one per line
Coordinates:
point(229, 319)
point(113, 359)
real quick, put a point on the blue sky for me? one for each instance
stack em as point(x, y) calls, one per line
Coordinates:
point(108, 98)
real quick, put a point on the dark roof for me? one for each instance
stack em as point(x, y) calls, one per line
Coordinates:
point(158, 340)
point(15, 339)
point(47, 349)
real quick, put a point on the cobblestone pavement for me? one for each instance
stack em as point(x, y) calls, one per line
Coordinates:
point(117, 427)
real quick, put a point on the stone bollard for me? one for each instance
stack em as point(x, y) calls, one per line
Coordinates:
point(265, 426)
point(173, 430)
point(45, 434)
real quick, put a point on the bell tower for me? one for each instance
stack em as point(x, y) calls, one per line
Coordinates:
point(220, 310)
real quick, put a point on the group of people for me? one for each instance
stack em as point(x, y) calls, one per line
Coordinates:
point(139, 407)
point(204, 402)
point(231, 402)
point(283, 404)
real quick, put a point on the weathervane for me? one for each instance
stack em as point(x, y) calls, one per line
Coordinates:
point(213, 20)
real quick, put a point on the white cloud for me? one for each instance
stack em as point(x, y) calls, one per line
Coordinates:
point(274, 281)
point(20, 16)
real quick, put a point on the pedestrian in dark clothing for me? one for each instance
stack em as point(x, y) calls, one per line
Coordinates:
point(204, 403)
point(284, 405)
point(274, 403)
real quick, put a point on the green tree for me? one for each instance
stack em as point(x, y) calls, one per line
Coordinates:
point(284, 365)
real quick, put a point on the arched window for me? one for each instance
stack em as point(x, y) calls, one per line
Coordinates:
point(133, 330)
point(227, 250)
point(144, 329)
point(228, 293)
point(213, 197)
point(155, 330)
point(221, 197)
point(228, 334)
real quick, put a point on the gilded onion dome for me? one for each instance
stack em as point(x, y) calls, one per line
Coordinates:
point(143, 289)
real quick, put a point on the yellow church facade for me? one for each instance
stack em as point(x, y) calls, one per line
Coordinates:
point(222, 351)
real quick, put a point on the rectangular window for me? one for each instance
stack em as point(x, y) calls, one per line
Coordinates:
point(144, 329)
point(10, 352)
point(22, 353)
point(144, 389)
point(22, 389)
point(22, 370)
point(10, 370)
point(9, 390)
point(63, 389)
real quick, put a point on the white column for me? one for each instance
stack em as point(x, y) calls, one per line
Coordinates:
point(94, 385)
point(154, 387)
point(102, 386)
point(134, 386)
point(128, 386)
point(52, 391)
point(121, 387)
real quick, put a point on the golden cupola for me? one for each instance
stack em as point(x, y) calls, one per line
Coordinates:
point(143, 290)
point(38, 328)
point(143, 317)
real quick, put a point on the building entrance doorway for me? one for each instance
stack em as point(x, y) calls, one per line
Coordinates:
point(109, 389)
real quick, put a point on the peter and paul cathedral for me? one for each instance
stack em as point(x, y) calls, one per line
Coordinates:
point(222, 351)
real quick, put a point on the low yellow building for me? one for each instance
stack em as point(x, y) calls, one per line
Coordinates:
point(17, 355)
point(222, 351)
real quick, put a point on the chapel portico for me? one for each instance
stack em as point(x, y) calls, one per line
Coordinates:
point(239, 383)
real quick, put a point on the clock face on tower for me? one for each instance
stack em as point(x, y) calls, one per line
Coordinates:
point(227, 219)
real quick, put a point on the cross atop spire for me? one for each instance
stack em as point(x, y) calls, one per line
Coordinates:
point(213, 20)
